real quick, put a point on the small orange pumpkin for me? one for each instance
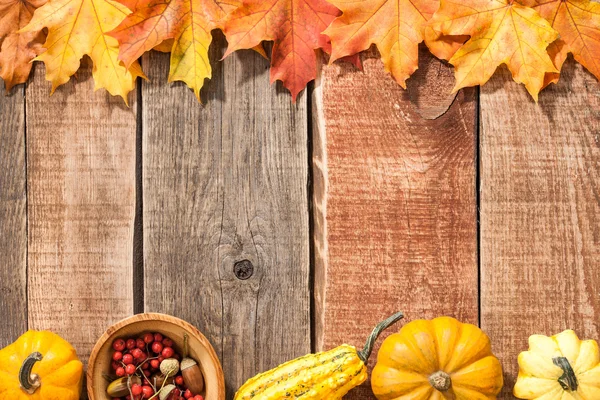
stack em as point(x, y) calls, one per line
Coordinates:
point(435, 360)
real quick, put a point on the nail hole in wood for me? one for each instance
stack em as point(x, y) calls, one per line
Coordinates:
point(243, 269)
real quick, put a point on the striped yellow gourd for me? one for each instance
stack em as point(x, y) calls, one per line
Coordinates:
point(326, 375)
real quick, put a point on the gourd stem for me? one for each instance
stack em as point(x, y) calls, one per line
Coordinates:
point(30, 382)
point(440, 381)
point(568, 379)
point(383, 325)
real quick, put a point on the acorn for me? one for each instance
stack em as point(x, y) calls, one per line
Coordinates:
point(190, 370)
point(192, 375)
point(120, 387)
point(169, 367)
point(166, 391)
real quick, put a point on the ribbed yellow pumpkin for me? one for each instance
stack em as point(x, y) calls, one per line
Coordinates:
point(436, 360)
point(560, 367)
point(40, 366)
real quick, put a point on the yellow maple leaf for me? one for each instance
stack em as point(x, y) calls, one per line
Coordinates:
point(182, 27)
point(77, 28)
point(578, 23)
point(502, 32)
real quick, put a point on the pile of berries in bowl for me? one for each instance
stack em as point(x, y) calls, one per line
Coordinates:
point(154, 356)
point(148, 367)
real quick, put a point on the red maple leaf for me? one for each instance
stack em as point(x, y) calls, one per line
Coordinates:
point(295, 28)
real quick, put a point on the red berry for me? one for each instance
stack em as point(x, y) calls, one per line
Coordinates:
point(140, 343)
point(130, 344)
point(160, 359)
point(119, 345)
point(157, 347)
point(127, 359)
point(117, 355)
point(146, 366)
point(142, 357)
point(188, 394)
point(136, 353)
point(177, 357)
point(198, 397)
point(136, 389)
point(147, 373)
point(147, 391)
point(167, 342)
point(158, 337)
point(115, 365)
point(120, 371)
point(130, 369)
point(148, 338)
point(179, 380)
point(167, 352)
point(155, 364)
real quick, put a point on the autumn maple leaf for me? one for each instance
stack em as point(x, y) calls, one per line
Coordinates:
point(578, 23)
point(77, 28)
point(17, 49)
point(396, 27)
point(502, 32)
point(294, 26)
point(186, 25)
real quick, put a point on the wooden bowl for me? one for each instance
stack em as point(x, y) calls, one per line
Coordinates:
point(200, 350)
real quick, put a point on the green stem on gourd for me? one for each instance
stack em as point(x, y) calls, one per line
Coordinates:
point(30, 382)
point(568, 380)
point(383, 325)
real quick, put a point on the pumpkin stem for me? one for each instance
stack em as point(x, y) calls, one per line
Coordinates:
point(30, 382)
point(383, 325)
point(568, 379)
point(440, 381)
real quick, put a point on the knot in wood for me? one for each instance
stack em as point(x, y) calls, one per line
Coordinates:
point(243, 269)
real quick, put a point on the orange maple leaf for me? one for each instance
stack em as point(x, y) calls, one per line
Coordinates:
point(443, 46)
point(294, 26)
point(77, 28)
point(502, 32)
point(186, 27)
point(17, 49)
point(396, 27)
point(578, 23)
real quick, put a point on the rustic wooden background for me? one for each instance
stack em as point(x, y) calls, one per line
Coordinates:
point(359, 200)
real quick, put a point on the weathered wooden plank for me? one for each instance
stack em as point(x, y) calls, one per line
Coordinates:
point(540, 212)
point(81, 202)
point(395, 204)
point(13, 217)
point(226, 183)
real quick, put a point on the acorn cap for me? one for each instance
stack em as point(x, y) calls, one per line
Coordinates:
point(166, 391)
point(187, 363)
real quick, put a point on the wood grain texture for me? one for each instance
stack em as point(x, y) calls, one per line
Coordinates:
point(223, 183)
point(81, 203)
point(13, 217)
point(395, 201)
point(540, 212)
